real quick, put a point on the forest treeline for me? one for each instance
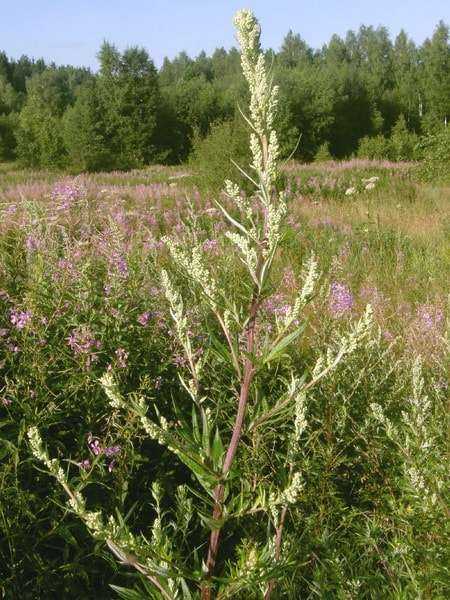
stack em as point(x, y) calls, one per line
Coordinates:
point(353, 95)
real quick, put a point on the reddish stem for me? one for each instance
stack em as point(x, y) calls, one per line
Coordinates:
point(249, 371)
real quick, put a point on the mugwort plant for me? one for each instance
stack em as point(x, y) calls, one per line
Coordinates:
point(242, 434)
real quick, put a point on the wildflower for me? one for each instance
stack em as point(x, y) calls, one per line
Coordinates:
point(211, 246)
point(349, 191)
point(20, 318)
point(122, 358)
point(82, 342)
point(112, 450)
point(31, 243)
point(388, 336)
point(94, 445)
point(85, 464)
point(289, 280)
point(143, 318)
point(429, 317)
point(370, 186)
point(341, 299)
point(67, 193)
point(119, 263)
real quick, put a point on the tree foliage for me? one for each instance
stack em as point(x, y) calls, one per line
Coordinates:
point(129, 114)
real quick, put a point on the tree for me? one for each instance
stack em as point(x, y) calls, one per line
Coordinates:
point(294, 51)
point(406, 77)
point(436, 75)
point(129, 94)
point(84, 132)
point(39, 136)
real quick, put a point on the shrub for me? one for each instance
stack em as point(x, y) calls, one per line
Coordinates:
point(435, 148)
point(323, 153)
point(212, 156)
point(403, 143)
point(374, 148)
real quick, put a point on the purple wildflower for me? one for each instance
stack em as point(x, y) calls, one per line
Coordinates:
point(112, 450)
point(276, 305)
point(341, 300)
point(67, 193)
point(31, 243)
point(211, 246)
point(94, 445)
point(429, 318)
point(143, 318)
point(20, 318)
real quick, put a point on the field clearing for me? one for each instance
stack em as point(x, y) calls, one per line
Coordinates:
point(80, 294)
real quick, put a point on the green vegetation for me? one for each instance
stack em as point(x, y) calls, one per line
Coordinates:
point(224, 394)
point(364, 94)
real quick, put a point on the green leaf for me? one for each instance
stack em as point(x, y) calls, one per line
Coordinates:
point(195, 428)
point(277, 350)
point(205, 433)
point(217, 450)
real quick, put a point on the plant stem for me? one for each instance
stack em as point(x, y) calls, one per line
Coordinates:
point(247, 378)
point(278, 536)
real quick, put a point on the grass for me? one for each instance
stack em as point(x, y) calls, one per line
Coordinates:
point(79, 292)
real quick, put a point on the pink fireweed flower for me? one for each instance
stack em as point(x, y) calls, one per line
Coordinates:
point(426, 331)
point(20, 319)
point(429, 318)
point(211, 246)
point(289, 280)
point(32, 244)
point(276, 305)
point(341, 300)
point(119, 264)
point(83, 344)
point(67, 193)
point(94, 445)
point(112, 450)
point(143, 319)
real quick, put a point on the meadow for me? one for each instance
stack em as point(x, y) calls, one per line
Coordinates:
point(81, 295)
point(215, 394)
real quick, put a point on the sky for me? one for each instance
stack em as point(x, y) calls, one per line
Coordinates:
point(71, 31)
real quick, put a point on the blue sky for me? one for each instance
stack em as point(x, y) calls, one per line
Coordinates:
point(71, 31)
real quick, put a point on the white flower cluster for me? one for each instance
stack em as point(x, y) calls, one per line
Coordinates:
point(300, 423)
point(263, 98)
point(275, 216)
point(249, 256)
point(293, 492)
point(111, 390)
point(310, 276)
point(347, 345)
point(176, 306)
point(234, 193)
point(192, 264)
point(76, 501)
